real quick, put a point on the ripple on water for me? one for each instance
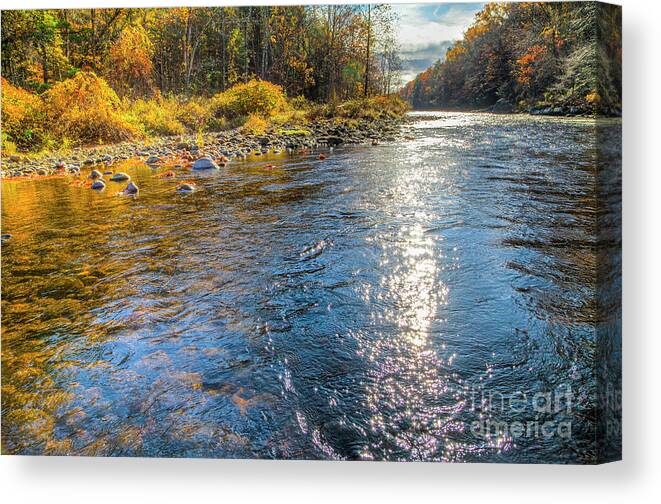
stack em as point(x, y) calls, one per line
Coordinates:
point(359, 308)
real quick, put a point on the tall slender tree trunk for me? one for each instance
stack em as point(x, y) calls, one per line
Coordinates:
point(369, 42)
point(44, 55)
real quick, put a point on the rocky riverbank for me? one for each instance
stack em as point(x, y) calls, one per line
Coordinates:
point(503, 106)
point(233, 144)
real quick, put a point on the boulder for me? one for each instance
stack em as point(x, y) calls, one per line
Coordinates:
point(98, 185)
point(95, 174)
point(120, 177)
point(205, 164)
point(131, 188)
point(153, 160)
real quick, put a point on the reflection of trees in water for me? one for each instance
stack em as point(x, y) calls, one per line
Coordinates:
point(88, 276)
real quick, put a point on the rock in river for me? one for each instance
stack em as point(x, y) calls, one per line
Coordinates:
point(185, 188)
point(95, 174)
point(120, 177)
point(131, 188)
point(205, 164)
point(98, 185)
point(153, 160)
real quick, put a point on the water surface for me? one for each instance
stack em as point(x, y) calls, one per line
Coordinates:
point(374, 305)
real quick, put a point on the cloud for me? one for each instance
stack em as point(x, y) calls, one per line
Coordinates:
point(427, 30)
point(418, 60)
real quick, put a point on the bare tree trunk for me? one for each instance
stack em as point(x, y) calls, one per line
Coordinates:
point(369, 41)
point(45, 63)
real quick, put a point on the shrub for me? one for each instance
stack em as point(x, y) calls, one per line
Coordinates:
point(377, 107)
point(255, 125)
point(157, 116)
point(194, 114)
point(254, 97)
point(86, 110)
point(22, 118)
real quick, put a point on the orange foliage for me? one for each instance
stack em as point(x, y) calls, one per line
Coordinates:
point(526, 63)
point(129, 65)
point(86, 110)
point(22, 114)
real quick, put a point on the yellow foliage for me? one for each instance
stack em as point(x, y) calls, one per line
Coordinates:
point(593, 98)
point(129, 66)
point(194, 114)
point(154, 117)
point(255, 125)
point(86, 110)
point(253, 97)
point(22, 117)
point(377, 107)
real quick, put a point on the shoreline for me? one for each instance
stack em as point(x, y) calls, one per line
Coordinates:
point(519, 113)
point(231, 144)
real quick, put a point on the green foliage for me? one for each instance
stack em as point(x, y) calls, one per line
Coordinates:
point(295, 132)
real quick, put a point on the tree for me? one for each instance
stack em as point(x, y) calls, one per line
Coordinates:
point(129, 64)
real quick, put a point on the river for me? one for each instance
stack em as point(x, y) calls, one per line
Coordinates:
point(390, 302)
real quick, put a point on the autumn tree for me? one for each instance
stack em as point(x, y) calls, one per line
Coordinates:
point(129, 64)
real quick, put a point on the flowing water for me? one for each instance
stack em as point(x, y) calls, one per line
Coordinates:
point(433, 298)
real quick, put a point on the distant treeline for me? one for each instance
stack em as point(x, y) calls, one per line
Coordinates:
point(321, 52)
point(530, 56)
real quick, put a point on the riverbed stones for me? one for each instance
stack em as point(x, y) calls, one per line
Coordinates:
point(205, 163)
point(98, 185)
point(153, 160)
point(186, 188)
point(131, 188)
point(95, 174)
point(120, 177)
point(233, 145)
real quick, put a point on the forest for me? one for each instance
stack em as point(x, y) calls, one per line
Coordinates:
point(555, 56)
point(124, 72)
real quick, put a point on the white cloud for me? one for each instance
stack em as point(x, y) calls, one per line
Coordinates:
point(421, 26)
point(426, 30)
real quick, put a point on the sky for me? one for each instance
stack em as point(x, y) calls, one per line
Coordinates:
point(427, 30)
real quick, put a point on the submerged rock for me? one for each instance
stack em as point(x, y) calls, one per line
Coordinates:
point(205, 164)
point(95, 174)
point(98, 185)
point(120, 177)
